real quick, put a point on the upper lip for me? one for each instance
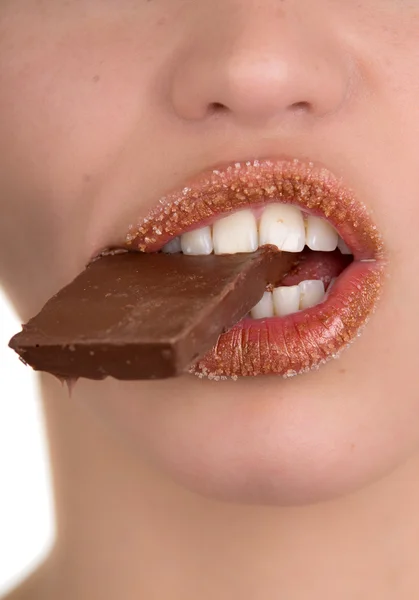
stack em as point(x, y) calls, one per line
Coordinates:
point(239, 185)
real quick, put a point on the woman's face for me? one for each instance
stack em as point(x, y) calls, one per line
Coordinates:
point(106, 106)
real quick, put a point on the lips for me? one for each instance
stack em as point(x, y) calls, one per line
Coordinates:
point(300, 341)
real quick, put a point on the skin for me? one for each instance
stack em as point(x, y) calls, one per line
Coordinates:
point(305, 488)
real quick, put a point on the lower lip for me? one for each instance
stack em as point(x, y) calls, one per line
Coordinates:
point(300, 342)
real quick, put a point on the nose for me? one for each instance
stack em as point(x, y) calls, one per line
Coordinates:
point(256, 62)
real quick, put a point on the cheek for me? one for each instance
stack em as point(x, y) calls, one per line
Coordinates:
point(67, 113)
point(82, 110)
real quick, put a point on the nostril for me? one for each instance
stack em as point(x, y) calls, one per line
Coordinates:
point(301, 107)
point(217, 107)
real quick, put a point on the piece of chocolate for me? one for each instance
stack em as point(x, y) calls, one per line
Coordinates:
point(145, 316)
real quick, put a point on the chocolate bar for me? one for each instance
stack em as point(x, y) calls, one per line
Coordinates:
point(145, 316)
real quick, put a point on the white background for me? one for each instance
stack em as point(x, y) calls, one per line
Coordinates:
point(26, 517)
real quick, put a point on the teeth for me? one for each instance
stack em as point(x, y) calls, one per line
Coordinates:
point(312, 293)
point(196, 242)
point(235, 233)
point(282, 225)
point(343, 247)
point(331, 284)
point(264, 308)
point(286, 300)
point(329, 287)
point(172, 247)
point(320, 235)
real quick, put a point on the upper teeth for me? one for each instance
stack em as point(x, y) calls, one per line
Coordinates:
point(236, 233)
point(198, 241)
point(173, 246)
point(320, 235)
point(343, 247)
point(281, 225)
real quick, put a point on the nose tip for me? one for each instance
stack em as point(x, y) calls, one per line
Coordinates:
point(267, 71)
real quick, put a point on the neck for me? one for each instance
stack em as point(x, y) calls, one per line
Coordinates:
point(124, 530)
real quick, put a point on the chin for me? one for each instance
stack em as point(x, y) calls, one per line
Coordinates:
point(262, 464)
point(265, 441)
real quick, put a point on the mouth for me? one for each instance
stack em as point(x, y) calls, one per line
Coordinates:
point(322, 303)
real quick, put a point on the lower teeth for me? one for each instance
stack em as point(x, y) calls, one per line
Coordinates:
point(286, 300)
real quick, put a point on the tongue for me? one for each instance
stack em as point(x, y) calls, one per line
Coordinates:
point(317, 265)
